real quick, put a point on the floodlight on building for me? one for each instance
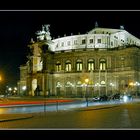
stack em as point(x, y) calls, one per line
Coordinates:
point(131, 84)
point(86, 94)
point(15, 88)
point(125, 98)
point(10, 89)
point(97, 84)
point(24, 88)
point(111, 84)
point(87, 80)
point(136, 84)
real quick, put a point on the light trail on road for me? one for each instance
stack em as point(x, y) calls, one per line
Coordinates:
point(33, 108)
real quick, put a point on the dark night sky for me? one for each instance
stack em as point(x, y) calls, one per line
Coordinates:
point(17, 27)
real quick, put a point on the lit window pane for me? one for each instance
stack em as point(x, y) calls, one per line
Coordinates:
point(81, 67)
point(100, 66)
point(69, 67)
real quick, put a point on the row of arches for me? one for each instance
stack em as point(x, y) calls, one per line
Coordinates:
point(80, 88)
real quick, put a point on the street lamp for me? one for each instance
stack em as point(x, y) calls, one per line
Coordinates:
point(112, 85)
point(0, 78)
point(0, 84)
point(98, 86)
point(10, 89)
point(131, 85)
point(45, 95)
point(86, 96)
point(24, 90)
point(137, 84)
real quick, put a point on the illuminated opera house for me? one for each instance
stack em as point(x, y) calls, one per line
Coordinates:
point(101, 61)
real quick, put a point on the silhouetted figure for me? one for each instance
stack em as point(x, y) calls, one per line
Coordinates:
point(37, 91)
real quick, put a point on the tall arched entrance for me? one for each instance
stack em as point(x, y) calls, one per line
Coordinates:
point(79, 89)
point(68, 87)
point(34, 86)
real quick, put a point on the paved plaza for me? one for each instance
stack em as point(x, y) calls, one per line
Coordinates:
point(121, 116)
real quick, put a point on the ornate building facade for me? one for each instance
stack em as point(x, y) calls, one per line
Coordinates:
point(102, 61)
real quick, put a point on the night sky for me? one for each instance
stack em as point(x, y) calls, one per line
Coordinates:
point(18, 27)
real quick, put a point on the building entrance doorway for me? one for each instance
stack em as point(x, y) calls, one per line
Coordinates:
point(34, 86)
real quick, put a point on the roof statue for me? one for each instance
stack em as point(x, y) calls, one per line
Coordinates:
point(98, 37)
point(47, 27)
point(43, 28)
point(122, 27)
point(47, 30)
point(44, 34)
point(96, 24)
point(32, 40)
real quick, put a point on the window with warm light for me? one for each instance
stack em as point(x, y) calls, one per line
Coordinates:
point(58, 66)
point(102, 64)
point(68, 65)
point(91, 65)
point(79, 65)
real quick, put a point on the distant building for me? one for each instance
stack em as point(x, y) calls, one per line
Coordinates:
point(108, 58)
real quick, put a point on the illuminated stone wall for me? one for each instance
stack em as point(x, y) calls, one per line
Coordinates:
point(96, 38)
point(122, 65)
point(108, 58)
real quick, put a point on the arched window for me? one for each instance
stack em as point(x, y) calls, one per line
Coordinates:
point(68, 65)
point(58, 66)
point(58, 89)
point(68, 84)
point(102, 64)
point(79, 65)
point(91, 65)
point(102, 82)
point(58, 84)
point(79, 83)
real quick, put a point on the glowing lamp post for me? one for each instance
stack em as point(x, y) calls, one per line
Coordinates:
point(112, 85)
point(0, 78)
point(10, 90)
point(86, 95)
point(24, 90)
point(131, 85)
point(0, 85)
point(15, 90)
point(137, 84)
